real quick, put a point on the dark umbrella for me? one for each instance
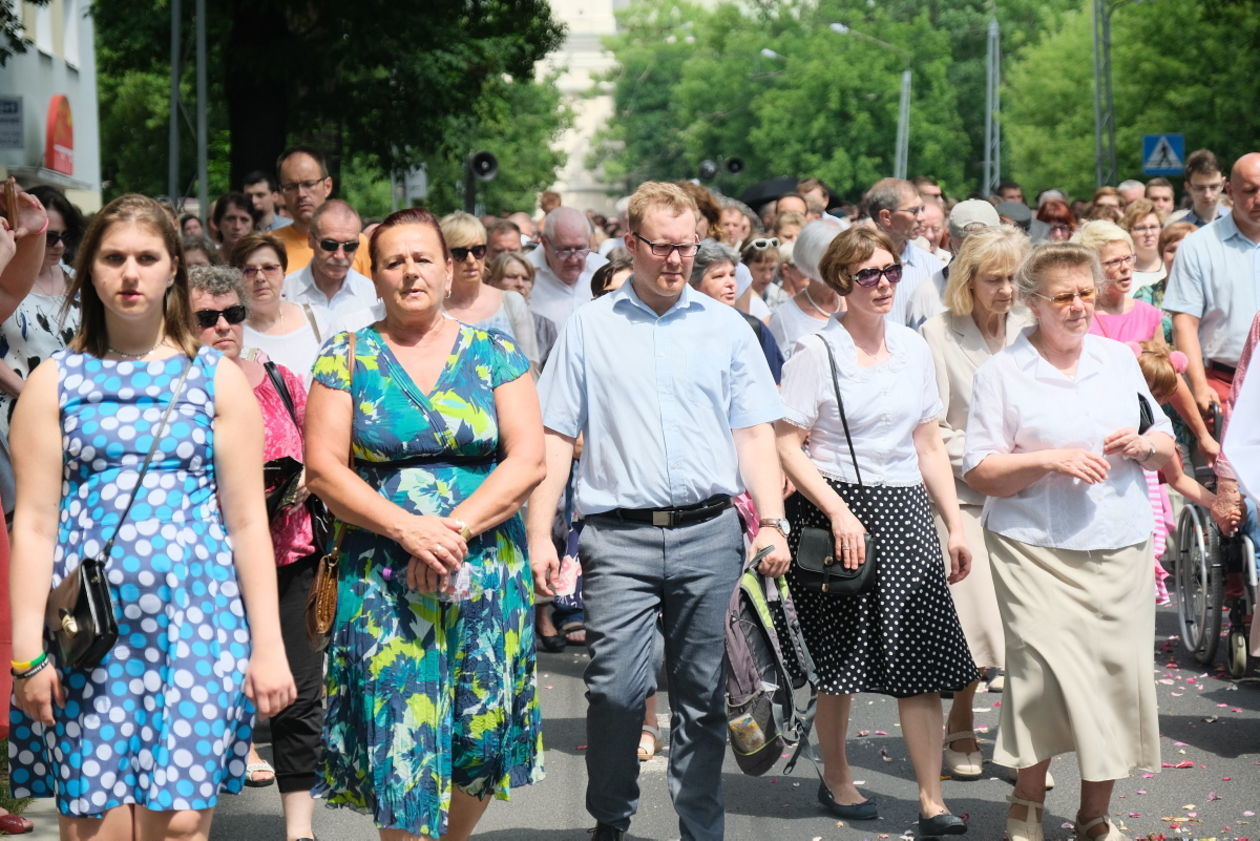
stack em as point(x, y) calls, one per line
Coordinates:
point(768, 190)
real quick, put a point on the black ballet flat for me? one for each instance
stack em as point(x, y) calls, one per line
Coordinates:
point(942, 824)
point(867, 810)
point(552, 644)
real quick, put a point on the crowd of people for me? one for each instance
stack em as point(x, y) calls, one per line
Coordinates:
point(964, 394)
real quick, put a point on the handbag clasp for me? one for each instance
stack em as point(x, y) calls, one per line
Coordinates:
point(68, 624)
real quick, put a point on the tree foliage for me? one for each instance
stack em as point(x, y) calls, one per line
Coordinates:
point(376, 84)
point(13, 38)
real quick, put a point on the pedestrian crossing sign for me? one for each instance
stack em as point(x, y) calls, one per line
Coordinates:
point(1163, 154)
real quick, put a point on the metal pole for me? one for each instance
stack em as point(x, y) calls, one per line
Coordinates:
point(992, 131)
point(903, 127)
point(1098, 95)
point(203, 188)
point(1109, 104)
point(172, 144)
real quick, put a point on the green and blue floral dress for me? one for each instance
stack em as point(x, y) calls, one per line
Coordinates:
point(425, 695)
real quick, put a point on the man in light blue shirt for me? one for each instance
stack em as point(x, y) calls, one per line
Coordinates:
point(673, 399)
point(896, 208)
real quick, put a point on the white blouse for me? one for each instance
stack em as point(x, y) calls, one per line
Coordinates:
point(1021, 403)
point(884, 403)
point(789, 324)
point(295, 351)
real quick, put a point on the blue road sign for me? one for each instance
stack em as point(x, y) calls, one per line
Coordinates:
point(1163, 154)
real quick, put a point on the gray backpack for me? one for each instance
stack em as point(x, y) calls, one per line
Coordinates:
point(767, 662)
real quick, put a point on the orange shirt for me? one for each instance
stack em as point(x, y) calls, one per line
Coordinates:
point(297, 247)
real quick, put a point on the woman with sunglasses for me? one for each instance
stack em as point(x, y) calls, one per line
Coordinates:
point(1053, 440)
point(43, 322)
point(478, 304)
point(901, 637)
point(285, 332)
point(220, 307)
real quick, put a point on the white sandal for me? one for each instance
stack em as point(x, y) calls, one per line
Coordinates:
point(1029, 829)
point(1112, 834)
point(963, 765)
point(655, 733)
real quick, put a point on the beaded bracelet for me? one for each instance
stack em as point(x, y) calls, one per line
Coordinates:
point(32, 672)
point(24, 665)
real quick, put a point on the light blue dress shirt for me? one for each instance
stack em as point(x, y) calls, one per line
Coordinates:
point(656, 398)
point(1216, 277)
point(917, 267)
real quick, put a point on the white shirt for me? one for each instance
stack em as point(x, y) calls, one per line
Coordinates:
point(551, 297)
point(357, 292)
point(917, 267)
point(295, 351)
point(883, 403)
point(1021, 403)
point(790, 324)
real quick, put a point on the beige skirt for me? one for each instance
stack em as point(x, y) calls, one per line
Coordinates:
point(974, 597)
point(1080, 657)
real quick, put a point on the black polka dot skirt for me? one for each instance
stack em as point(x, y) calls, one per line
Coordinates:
point(902, 636)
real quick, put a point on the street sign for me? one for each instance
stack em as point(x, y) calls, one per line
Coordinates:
point(1163, 154)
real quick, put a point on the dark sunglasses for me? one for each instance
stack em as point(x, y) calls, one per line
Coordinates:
point(209, 318)
point(331, 245)
point(460, 252)
point(54, 237)
point(870, 277)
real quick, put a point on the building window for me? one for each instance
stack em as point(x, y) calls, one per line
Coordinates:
point(71, 19)
point(44, 29)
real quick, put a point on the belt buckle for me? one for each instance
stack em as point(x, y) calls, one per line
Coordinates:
point(663, 519)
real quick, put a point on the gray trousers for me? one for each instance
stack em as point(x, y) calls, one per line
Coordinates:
point(688, 573)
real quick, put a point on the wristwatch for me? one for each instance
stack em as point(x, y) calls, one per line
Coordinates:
point(780, 525)
point(1150, 455)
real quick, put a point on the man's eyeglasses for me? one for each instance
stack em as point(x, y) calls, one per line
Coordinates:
point(663, 249)
point(269, 269)
point(868, 278)
point(209, 318)
point(1066, 298)
point(917, 210)
point(568, 253)
point(460, 252)
point(54, 237)
point(1214, 187)
point(294, 186)
point(1117, 262)
point(331, 245)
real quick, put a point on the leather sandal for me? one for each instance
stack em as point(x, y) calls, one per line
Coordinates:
point(963, 765)
point(646, 752)
point(1028, 829)
point(1112, 834)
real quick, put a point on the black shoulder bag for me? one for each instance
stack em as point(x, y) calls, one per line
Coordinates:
point(80, 617)
point(817, 566)
point(321, 517)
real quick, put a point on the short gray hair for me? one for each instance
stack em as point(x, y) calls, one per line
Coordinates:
point(811, 244)
point(1131, 184)
point(711, 252)
point(886, 194)
point(219, 280)
point(552, 220)
point(1053, 255)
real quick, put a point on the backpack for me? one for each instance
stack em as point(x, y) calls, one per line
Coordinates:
point(762, 716)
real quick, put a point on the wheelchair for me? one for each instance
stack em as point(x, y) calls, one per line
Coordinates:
point(1214, 575)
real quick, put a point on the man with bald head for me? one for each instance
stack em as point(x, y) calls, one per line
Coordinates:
point(563, 265)
point(328, 286)
point(897, 209)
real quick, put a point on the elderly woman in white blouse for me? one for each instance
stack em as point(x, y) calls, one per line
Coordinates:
point(901, 638)
point(1053, 439)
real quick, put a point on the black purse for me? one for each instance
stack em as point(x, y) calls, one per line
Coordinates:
point(817, 566)
point(80, 618)
point(1146, 415)
point(321, 518)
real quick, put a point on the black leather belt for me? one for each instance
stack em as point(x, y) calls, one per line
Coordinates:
point(1227, 370)
point(671, 517)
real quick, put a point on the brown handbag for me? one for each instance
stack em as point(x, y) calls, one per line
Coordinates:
point(321, 601)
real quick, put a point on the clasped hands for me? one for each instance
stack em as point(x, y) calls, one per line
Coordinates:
point(436, 550)
point(1091, 467)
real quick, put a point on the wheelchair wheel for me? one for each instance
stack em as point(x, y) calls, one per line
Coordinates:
point(1237, 653)
point(1200, 584)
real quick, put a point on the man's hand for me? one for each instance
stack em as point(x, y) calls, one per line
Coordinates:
point(777, 561)
point(1204, 397)
point(544, 563)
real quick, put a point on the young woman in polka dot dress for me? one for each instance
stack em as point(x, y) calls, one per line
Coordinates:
point(139, 746)
point(901, 638)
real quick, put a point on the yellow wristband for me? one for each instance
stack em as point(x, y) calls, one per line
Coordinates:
point(27, 665)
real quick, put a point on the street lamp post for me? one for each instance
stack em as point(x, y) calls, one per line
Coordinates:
point(902, 152)
point(1104, 104)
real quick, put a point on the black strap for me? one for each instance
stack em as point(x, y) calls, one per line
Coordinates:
point(148, 459)
point(835, 382)
point(277, 382)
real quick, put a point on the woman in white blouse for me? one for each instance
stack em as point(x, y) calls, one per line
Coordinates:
point(902, 637)
point(1053, 440)
point(285, 332)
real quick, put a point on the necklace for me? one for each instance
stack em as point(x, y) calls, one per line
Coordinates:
point(820, 310)
point(126, 355)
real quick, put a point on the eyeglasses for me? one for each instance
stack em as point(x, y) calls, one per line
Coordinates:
point(663, 249)
point(331, 245)
point(1117, 262)
point(460, 252)
point(1144, 229)
point(1214, 187)
point(252, 272)
point(209, 318)
point(54, 237)
point(1065, 299)
point(1061, 228)
point(917, 210)
point(868, 278)
point(565, 253)
point(294, 186)
point(762, 243)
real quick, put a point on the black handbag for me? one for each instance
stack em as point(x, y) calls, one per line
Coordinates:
point(1146, 415)
point(321, 518)
point(817, 567)
point(80, 618)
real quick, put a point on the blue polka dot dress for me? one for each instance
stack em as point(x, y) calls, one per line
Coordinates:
point(163, 721)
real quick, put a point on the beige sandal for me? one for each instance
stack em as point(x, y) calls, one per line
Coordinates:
point(1028, 829)
point(649, 746)
point(963, 765)
point(1112, 834)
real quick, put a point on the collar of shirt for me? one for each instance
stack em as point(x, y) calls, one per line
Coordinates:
point(1030, 360)
point(355, 285)
point(627, 300)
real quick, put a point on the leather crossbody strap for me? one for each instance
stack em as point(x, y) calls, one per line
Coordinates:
point(835, 383)
point(148, 459)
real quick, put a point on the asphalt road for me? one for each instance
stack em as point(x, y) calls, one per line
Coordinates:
point(1209, 723)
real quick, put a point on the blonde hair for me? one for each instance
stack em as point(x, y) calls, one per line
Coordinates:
point(1158, 369)
point(658, 194)
point(1049, 256)
point(849, 248)
point(1001, 248)
point(462, 228)
point(1097, 233)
